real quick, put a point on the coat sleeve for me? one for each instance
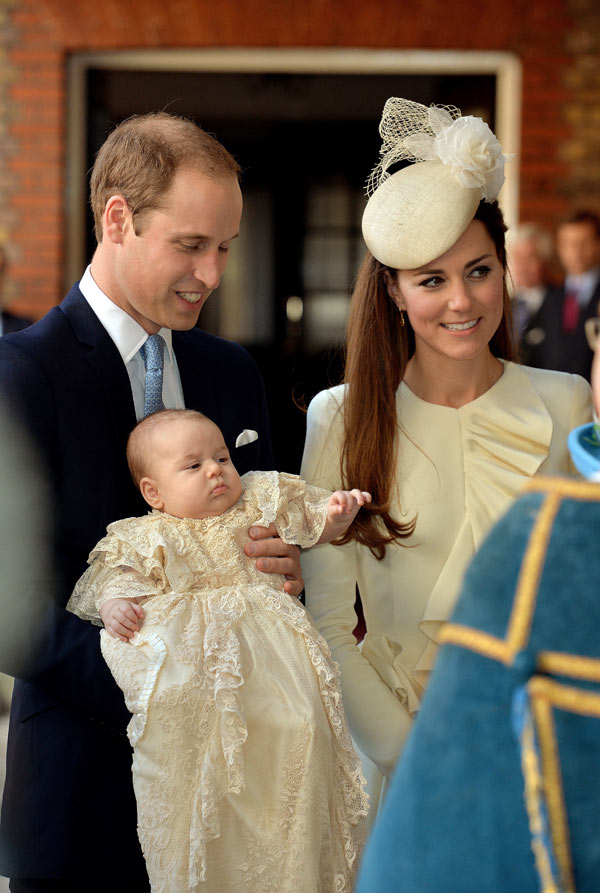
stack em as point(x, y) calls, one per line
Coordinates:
point(378, 721)
point(61, 656)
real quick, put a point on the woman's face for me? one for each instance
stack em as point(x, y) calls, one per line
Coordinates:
point(455, 303)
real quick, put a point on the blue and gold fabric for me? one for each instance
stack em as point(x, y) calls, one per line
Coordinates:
point(498, 788)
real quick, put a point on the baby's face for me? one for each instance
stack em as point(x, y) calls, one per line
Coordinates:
point(191, 470)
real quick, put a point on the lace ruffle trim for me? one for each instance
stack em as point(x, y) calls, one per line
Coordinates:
point(137, 725)
point(222, 659)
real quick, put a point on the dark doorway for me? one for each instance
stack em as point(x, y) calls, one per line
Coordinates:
point(306, 143)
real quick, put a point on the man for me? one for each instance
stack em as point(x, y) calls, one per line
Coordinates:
point(529, 250)
point(556, 335)
point(167, 207)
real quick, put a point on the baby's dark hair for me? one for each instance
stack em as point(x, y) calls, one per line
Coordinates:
point(137, 443)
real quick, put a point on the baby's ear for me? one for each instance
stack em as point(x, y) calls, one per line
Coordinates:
point(149, 491)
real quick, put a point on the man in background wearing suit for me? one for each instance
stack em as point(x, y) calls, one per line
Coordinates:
point(167, 207)
point(530, 249)
point(556, 334)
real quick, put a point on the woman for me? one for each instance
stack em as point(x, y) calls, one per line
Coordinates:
point(455, 427)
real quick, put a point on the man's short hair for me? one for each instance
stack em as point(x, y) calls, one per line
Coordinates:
point(532, 232)
point(142, 155)
point(584, 216)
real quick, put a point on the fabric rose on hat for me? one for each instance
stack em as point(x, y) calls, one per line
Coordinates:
point(470, 148)
point(465, 145)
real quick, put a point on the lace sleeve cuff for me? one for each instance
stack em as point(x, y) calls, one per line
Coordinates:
point(301, 511)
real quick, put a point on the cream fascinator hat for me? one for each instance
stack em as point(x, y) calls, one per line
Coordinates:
point(418, 213)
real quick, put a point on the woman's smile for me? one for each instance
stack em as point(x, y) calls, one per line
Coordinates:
point(460, 326)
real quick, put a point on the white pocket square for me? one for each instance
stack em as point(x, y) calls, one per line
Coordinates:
point(247, 436)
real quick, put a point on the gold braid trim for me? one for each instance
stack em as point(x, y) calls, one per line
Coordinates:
point(567, 488)
point(574, 665)
point(547, 696)
point(532, 776)
point(519, 624)
point(565, 697)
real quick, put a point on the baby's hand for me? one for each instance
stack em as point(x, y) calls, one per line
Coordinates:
point(346, 502)
point(121, 617)
point(343, 507)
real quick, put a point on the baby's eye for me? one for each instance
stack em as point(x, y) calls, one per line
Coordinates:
point(194, 465)
point(223, 460)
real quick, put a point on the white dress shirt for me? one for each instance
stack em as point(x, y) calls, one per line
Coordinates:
point(583, 285)
point(533, 297)
point(129, 336)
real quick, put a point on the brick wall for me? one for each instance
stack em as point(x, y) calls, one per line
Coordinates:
point(580, 149)
point(557, 41)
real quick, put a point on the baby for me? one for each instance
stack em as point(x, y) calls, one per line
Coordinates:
point(243, 768)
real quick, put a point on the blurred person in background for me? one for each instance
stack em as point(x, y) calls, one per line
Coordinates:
point(558, 339)
point(529, 250)
point(25, 567)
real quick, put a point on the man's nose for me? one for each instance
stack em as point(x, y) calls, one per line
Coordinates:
point(208, 269)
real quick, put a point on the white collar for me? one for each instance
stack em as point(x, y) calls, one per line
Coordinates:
point(583, 281)
point(127, 334)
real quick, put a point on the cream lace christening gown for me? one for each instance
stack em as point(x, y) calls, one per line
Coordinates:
point(243, 768)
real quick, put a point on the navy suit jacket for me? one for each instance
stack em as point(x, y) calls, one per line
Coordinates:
point(546, 346)
point(68, 808)
point(12, 323)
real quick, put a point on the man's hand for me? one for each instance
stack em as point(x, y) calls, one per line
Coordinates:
point(276, 557)
point(122, 617)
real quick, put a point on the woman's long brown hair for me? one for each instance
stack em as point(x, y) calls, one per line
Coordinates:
point(378, 348)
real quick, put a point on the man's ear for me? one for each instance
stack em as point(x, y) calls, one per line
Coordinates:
point(393, 289)
point(115, 218)
point(149, 491)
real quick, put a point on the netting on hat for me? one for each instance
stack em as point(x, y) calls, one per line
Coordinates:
point(408, 130)
point(414, 132)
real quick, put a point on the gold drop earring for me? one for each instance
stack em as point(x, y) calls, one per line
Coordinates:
point(401, 316)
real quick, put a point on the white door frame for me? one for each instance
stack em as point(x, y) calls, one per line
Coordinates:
point(505, 66)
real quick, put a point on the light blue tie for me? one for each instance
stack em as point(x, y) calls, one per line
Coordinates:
point(152, 352)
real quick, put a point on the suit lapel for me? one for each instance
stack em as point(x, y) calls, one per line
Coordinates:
point(105, 362)
point(195, 371)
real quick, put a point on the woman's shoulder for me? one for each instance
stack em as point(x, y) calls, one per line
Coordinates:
point(536, 407)
point(324, 437)
point(326, 409)
point(552, 386)
point(547, 377)
point(330, 400)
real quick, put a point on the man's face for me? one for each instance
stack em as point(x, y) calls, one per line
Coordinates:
point(526, 264)
point(163, 275)
point(578, 247)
